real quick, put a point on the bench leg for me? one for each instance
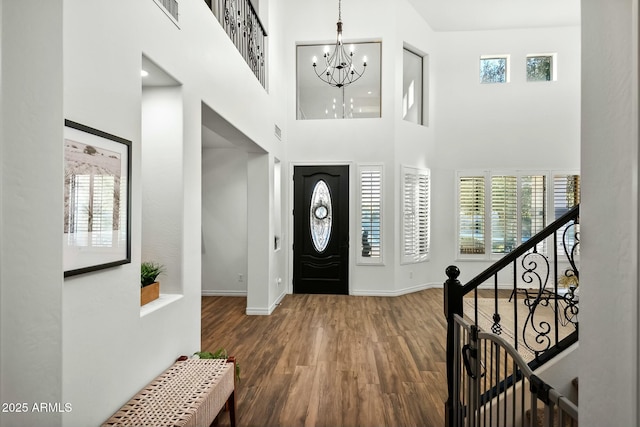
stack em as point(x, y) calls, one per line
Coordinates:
point(232, 408)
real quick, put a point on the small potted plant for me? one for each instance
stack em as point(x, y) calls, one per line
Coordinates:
point(149, 286)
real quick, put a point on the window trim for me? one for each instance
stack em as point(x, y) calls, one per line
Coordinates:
point(424, 58)
point(554, 67)
point(416, 256)
point(488, 174)
point(507, 71)
point(362, 260)
point(376, 90)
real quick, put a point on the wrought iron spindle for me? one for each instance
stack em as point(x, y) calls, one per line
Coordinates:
point(243, 26)
point(532, 270)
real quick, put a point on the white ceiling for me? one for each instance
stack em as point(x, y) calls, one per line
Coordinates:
point(463, 15)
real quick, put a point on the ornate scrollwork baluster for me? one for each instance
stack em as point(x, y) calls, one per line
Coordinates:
point(536, 271)
point(230, 16)
point(244, 28)
point(571, 247)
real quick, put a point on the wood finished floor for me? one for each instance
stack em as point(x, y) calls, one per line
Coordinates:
point(330, 360)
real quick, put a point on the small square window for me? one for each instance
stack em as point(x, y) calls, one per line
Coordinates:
point(494, 69)
point(540, 68)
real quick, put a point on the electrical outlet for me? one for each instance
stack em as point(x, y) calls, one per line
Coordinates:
point(411, 275)
point(240, 277)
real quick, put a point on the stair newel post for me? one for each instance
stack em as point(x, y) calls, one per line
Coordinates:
point(452, 306)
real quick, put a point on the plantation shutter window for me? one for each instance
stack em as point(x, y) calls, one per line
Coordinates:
point(370, 214)
point(471, 214)
point(533, 207)
point(566, 194)
point(415, 214)
point(511, 208)
point(504, 214)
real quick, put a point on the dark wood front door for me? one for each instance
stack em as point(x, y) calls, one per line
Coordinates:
point(321, 230)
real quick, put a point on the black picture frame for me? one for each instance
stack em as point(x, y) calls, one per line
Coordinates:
point(97, 215)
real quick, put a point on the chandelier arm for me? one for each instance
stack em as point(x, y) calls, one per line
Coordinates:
point(320, 75)
point(339, 70)
point(331, 69)
point(329, 60)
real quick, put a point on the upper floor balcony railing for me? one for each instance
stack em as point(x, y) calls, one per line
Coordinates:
point(240, 20)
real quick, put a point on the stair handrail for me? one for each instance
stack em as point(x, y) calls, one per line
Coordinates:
point(525, 247)
point(477, 364)
point(454, 292)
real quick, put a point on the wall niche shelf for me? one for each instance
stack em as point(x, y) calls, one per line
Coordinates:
point(163, 301)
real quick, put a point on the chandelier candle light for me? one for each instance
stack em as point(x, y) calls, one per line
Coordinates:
point(339, 70)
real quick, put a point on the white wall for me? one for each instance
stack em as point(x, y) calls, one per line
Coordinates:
point(609, 215)
point(518, 125)
point(31, 284)
point(383, 140)
point(260, 232)
point(90, 327)
point(162, 184)
point(414, 144)
point(224, 222)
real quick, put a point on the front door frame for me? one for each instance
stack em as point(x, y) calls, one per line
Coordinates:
point(352, 206)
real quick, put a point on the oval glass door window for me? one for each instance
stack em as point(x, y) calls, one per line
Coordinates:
point(320, 216)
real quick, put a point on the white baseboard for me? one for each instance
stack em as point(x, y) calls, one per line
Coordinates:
point(258, 311)
point(278, 300)
point(398, 292)
point(361, 292)
point(210, 293)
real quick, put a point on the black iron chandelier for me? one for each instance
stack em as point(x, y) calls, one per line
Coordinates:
point(339, 70)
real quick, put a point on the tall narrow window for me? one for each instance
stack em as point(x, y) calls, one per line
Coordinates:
point(415, 214)
point(277, 204)
point(504, 214)
point(471, 215)
point(494, 69)
point(533, 207)
point(412, 87)
point(566, 194)
point(370, 214)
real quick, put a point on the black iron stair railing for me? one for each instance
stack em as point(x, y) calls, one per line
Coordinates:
point(539, 283)
point(243, 26)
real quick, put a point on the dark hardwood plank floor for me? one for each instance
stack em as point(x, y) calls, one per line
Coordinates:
point(335, 360)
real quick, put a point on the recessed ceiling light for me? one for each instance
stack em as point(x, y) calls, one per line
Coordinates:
point(144, 73)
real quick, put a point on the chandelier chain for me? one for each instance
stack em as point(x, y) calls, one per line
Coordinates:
point(338, 70)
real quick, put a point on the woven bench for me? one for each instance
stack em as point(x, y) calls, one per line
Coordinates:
point(190, 393)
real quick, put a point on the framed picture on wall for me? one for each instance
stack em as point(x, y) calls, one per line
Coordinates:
point(97, 200)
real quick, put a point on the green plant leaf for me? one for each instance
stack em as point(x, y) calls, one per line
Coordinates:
point(149, 271)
